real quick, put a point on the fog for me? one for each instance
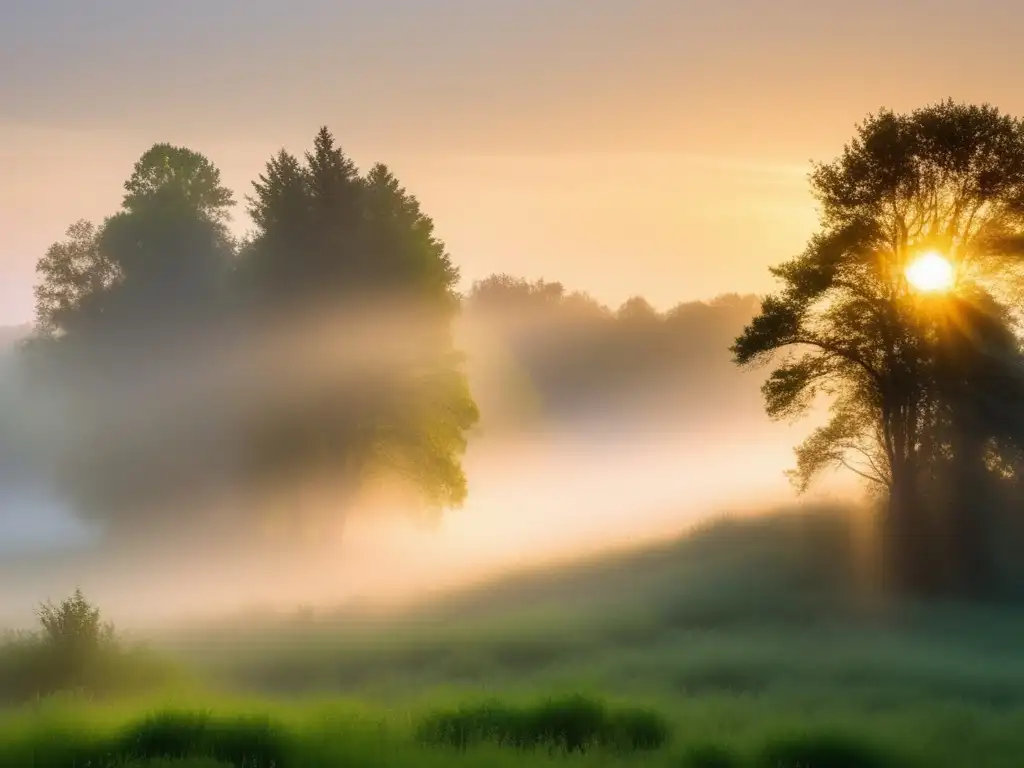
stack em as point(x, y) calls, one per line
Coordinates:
point(555, 470)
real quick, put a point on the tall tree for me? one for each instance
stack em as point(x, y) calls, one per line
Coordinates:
point(118, 307)
point(348, 272)
point(167, 169)
point(850, 324)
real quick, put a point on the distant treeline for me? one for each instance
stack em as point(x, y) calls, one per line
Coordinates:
point(568, 356)
point(173, 368)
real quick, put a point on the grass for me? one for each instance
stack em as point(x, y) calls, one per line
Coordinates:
point(752, 643)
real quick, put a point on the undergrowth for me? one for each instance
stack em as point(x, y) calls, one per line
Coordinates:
point(567, 724)
point(743, 646)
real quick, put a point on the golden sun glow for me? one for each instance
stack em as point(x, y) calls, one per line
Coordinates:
point(930, 272)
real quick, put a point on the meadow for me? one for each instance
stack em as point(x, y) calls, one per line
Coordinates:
point(758, 642)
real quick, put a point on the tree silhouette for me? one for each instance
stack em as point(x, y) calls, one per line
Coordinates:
point(904, 370)
point(317, 354)
point(180, 171)
point(118, 307)
point(352, 263)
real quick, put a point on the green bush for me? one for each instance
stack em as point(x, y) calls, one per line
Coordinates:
point(172, 737)
point(569, 724)
point(74, 649)
point(249, 742)
point(168, 735)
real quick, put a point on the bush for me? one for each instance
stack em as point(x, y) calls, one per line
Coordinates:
point(74, 650)
point(174, 738)
point(569, 724)
point(252, 742)
point(75, 625)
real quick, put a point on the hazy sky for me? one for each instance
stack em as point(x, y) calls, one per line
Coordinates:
point(636, 146)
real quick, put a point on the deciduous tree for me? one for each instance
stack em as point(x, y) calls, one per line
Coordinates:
point(848, 324)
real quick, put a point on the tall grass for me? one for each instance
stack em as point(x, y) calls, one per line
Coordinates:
point(567, 724)
point(752, 643)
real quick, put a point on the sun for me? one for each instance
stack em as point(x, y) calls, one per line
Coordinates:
point(930, 272)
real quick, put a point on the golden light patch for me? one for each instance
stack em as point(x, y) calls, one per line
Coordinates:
point(930, 272)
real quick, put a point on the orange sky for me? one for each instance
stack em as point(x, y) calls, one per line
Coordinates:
point(651, 146)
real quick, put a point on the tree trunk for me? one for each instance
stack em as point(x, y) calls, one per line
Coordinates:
point(908, 539)
point(968, 529)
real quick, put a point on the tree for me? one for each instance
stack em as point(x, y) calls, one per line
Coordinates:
point(119, 310)
point(165, 169)
point(75, 644)
point(345, 277)
point(75, 626)
point(74, 272)
point(850, 325)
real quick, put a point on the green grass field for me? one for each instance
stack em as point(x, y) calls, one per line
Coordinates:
point(750, 643)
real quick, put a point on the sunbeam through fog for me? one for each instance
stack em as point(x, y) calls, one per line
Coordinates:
point(549, 478)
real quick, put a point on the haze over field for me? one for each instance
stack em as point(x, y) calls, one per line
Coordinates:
point(603, 145)
point(468, 383)
point(558, 467)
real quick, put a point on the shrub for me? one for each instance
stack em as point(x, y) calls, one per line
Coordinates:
point(569, 724)
point(74, 650)
point(75, 625)
point(635, 729)
point(825, 750)
point(252, 742)
point(572, 724)
point(170, 735)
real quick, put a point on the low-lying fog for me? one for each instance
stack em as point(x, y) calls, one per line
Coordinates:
point(584, 474)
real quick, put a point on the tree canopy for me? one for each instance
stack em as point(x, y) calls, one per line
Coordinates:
point(317, 351)
point(912, 376)
point(353, 259)
point(316, 360)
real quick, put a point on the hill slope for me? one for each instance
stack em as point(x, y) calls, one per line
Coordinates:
point(773, 605)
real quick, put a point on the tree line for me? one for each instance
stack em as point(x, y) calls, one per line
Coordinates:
point(315, 352)
point(320, 356)
point(319, 353)
point(562, 356)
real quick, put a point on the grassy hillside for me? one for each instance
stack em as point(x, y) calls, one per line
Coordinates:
point(753, 642)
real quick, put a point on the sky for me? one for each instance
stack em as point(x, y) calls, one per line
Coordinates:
point(654, 147)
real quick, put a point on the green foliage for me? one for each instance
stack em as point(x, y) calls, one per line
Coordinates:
point(75, 650)
point(246, 742)
point(75, 624)
point(569, 724)
point(160, 340)
point(733, 638)
point(348, 252)
point(177, 737)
